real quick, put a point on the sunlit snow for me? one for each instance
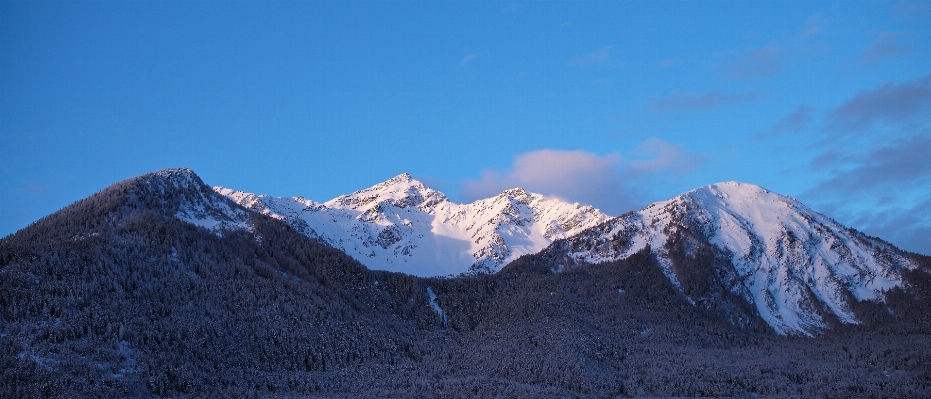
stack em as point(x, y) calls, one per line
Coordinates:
point(401, 225)
point(780, 249)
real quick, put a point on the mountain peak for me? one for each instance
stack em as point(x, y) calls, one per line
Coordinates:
point(794, 265)
point(740, 197)
point(733, 188)
point(516, 193)
point(401, 182)
point(176, 177)
point(174, 171)
point(402, 191)
point(402, 177)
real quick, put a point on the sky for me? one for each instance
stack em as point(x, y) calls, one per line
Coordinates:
point(613, 104)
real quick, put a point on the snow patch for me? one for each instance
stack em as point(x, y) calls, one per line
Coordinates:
point(436, 306)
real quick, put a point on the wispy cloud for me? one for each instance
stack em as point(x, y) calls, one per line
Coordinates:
point(911, 9)
point(874, 156)
point(608, 182)
point(669, 62)
point(802, 118)
point(597, 57)
point(814, 24)
point(906, 227)
point(875, 190)
point(799, 119)
point(774, 57)
point(689, 101)
point(902, 163)
point(761, 62)
point(889, 104)
point(871, 114)
point(466, 59)
point(885, 46)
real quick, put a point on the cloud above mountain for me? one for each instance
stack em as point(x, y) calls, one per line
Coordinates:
point(884, 191)
point(610, 182)
point(892, 103)
point(873, 152)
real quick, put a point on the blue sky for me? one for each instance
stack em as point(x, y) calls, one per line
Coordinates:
point(616, 104)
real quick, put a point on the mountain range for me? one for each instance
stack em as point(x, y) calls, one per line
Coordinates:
point(160, 285)
point(401, 225)
point(792, 264)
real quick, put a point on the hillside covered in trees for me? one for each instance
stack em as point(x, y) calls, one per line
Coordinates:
point(157, 286)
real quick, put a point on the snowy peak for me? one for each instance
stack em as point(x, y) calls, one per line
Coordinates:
point(796, 266)
point(401, 191)
point(402, 225)
point(516, 194)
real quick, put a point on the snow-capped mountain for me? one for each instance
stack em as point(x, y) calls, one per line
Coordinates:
point(401, 225)
point(795, 265)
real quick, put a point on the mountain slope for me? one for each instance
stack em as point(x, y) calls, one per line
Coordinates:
point(158, 286)
point(120, 295)
point(797, 267)
point(401, 225)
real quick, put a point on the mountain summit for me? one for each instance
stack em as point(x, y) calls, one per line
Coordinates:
point(401, 225)
point(797, 267)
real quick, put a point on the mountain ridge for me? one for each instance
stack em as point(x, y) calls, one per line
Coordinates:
point(402, 225)
point(738, 247)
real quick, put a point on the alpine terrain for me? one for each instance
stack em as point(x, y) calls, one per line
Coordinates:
point(796, 266)
point(402, 226)
point(159, 286)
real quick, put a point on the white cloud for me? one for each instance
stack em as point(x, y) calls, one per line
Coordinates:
point(467, 59)
point(609, 182)
point(596, 57)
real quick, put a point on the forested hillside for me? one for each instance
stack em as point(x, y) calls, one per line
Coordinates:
point(157, 286)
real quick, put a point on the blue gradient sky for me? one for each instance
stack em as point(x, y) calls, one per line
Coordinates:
point(613, 104)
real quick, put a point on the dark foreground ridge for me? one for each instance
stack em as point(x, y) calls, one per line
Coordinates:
point(121, 295)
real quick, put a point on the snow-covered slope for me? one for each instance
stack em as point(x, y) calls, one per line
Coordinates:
point(795, 265)
point(401, 225)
